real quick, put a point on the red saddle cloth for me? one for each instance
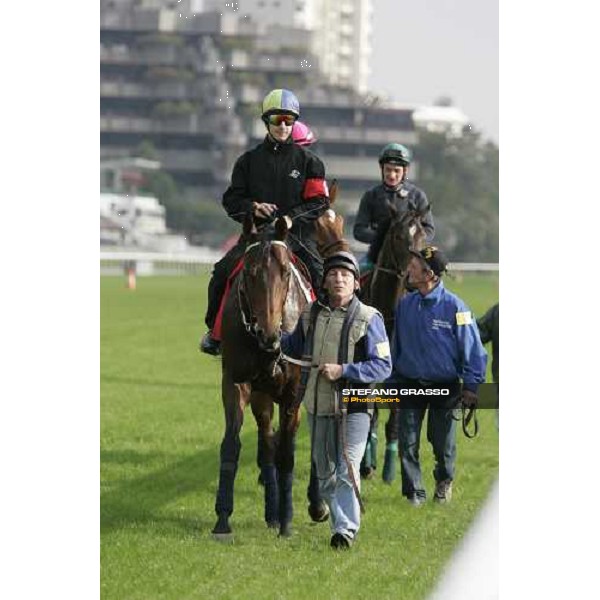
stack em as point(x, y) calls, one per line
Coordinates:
point(216, 332)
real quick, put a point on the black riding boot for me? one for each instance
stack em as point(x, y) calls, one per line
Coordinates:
point(216, 289)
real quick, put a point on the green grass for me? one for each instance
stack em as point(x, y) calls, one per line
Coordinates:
point(161, 426)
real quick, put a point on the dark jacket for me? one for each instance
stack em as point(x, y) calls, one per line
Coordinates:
point(285, 174)
point(373, 209)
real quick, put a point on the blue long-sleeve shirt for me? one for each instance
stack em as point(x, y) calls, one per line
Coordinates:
point(377, 363)
point(436, 339)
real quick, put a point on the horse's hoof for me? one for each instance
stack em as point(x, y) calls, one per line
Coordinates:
point(367, 473)
point(273, 524)
point(222, 531)
point(285, 531)
point(319, 513)
point(223, 538)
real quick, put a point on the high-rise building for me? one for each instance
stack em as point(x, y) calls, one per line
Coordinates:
point(187, 92)
point(340, 31)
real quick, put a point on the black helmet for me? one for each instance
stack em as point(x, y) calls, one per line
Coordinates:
point(434, 258)
point(395, 154)
point(344, 260)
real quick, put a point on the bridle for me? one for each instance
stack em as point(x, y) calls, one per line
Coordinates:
point(396, 269)
point(247, 313)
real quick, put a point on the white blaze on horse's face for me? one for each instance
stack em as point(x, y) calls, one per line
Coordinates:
point(330, 214)
point(412, 230)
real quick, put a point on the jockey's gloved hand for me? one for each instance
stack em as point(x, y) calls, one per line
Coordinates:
point(267, 224)
point(263, 210)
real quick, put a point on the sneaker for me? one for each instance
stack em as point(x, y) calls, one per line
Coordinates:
point(208, 345)
point(443, 491)
point(339, 541)
point(415, 500)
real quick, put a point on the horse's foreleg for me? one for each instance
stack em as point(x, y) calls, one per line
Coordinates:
point(317, 507)
point(318, 510)
point(235, 397)
point(262, 408)
point(391, 446)
point(288, 425)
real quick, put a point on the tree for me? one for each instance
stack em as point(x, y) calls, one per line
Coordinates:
point(201, 221)
point(460, 177)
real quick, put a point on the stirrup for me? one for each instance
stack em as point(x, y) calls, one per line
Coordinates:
point(209, 345)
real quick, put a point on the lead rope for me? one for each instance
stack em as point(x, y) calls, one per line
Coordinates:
point(342, 358)
point(348, 463)
point(315, 420)
point(469, 415)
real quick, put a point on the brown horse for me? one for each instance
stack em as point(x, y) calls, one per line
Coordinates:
point(266, 297)
point(329, 238)
point(383, 288)
point(329, 232)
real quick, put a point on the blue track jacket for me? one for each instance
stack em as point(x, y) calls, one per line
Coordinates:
point(436, 339)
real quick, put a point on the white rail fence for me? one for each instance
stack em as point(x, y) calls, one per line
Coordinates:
point(152, 263)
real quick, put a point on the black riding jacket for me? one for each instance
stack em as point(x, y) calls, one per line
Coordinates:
point(284, 174)
point(373, 209)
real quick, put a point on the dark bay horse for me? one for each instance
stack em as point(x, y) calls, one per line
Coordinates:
point(386, 284)
point(266, 297)
point(383, 288)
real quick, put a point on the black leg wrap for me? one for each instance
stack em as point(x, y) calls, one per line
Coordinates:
point(269, 477)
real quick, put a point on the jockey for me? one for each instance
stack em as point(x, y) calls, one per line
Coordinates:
point(374, 212)
point(302, 135)
point(276, 178)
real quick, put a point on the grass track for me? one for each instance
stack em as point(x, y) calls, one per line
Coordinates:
point(161, 426)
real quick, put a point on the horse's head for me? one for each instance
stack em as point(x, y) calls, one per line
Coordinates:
point(265, 283)
point(329, 228)
point(329, 233)
point(407, 231)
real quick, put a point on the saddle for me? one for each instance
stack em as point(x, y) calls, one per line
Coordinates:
point(300, 271)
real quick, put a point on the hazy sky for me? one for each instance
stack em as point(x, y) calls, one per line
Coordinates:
point(423, 49)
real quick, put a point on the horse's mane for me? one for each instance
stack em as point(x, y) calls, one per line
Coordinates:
point(379, 239)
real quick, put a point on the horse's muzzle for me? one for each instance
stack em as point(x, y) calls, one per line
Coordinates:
point(270, 343)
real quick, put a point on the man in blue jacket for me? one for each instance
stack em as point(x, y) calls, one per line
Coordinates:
point(346, 342)
point(436, 344)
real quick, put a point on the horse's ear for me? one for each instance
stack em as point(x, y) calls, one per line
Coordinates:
point(249, 226)
point(281, 229)
point(333, 190)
